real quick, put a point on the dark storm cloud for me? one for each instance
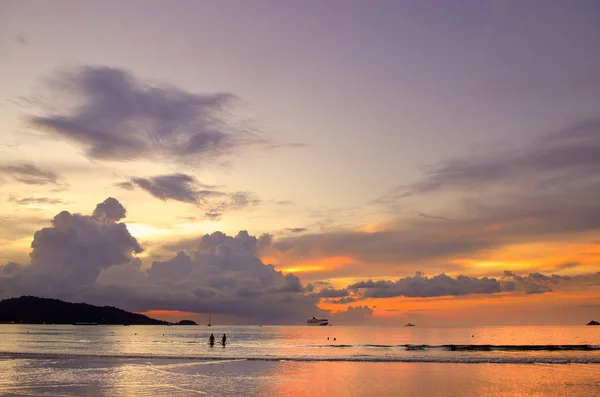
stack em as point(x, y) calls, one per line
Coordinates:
point(187, 189)
point(30, 174)
point(114, 116)
point(35, 200)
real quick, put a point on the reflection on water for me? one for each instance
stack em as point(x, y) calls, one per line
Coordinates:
point(54, 360)
point(496, 344)
point(126, 377)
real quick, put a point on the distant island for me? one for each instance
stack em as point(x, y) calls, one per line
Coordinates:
point(34, 310)
point(186, 322)
point(593, 323)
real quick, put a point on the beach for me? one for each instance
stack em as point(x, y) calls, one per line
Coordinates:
point(135, 377)
point(66, 360)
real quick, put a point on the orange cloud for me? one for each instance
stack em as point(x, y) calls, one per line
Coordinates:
point(320, 265)
point(168, 315)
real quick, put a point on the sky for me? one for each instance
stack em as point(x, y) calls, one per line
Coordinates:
point(370, 162)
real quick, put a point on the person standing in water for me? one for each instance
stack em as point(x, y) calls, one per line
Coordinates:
point(223, 340)
point(211, 340)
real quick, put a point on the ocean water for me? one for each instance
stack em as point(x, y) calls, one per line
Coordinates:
point(67, 360)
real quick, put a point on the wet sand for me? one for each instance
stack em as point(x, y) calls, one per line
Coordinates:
point(135, 377)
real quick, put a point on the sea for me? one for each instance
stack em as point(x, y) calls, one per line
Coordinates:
point(90, 360)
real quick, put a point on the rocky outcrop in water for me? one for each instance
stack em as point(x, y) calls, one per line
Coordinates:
point(186, 322)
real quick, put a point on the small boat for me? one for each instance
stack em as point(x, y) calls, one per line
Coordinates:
point(209, 324)
point(409, 325)
point(317, 321)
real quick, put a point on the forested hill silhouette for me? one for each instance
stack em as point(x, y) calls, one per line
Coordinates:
point(34, 310)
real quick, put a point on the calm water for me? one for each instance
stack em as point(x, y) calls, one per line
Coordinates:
point(53, 360)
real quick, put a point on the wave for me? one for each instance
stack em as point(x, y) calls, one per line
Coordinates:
point(354, 358)
point(474, 347)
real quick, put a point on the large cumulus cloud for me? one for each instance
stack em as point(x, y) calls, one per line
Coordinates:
point(92, 258)
point(69, 255)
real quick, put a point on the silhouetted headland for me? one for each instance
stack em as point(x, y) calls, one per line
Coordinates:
point(34, 310)
point(593, 323)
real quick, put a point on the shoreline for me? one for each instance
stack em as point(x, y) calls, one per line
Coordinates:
point(318, 359)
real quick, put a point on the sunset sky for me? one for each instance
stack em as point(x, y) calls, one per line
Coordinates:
point(265, 161)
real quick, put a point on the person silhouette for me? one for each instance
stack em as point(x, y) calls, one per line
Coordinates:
point(211, 340)
point(223, 340)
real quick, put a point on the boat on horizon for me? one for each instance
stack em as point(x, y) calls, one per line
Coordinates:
point(209, 322)
point(409, 325)
point(317, 321)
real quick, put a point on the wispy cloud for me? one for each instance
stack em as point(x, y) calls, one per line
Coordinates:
point(545, 190)
point(554, 160)
point(31, 174)
point(113, 116)
point(295, 229)
point(187, 189)
point(35, 200)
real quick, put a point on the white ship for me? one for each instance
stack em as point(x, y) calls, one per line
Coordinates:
point(317, 321)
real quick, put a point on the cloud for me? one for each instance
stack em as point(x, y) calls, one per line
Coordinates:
point(187, 189)
point(69, 255)
point(424, 215)
point(342, 301)
point(352, 315)
point(30, 174)
point(35, 200)
point(332, 293)
point(178, 187)
point(534, 283)
point(231, 202)
point(421, 286)
point(91, 258)
point(544, 191)
point(111, 210)
point(113, 116)
point(553, 160)
point(295, 229)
